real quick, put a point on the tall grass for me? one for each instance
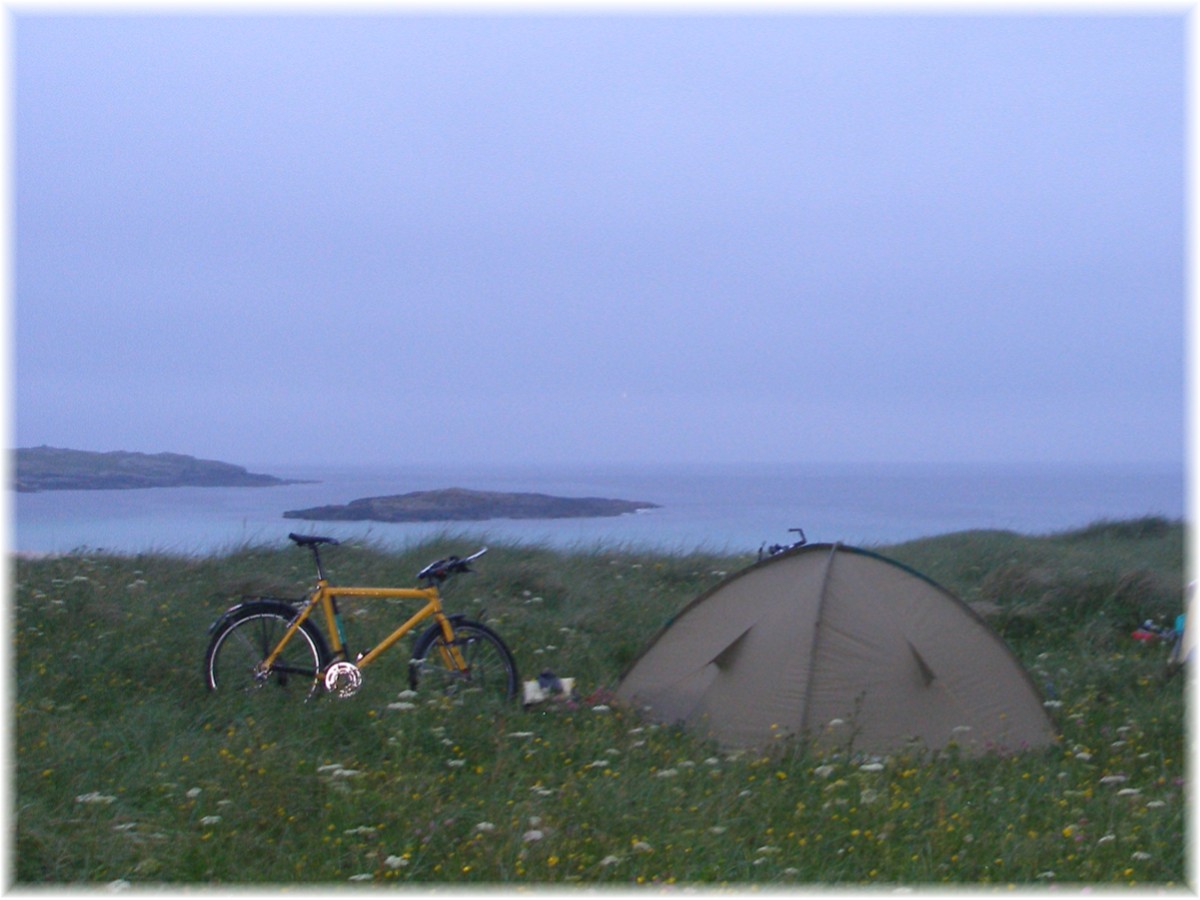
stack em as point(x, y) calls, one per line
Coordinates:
point(128, 772)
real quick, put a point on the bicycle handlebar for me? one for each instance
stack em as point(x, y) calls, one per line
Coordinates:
point(442, 569)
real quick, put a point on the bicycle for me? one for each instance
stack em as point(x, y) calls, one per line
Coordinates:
point(265, 641)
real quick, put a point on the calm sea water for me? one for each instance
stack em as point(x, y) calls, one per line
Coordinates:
point(717, 508)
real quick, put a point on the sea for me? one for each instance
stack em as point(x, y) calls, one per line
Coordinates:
point(701, 508)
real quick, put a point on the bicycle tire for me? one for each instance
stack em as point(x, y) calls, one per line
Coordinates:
point(492, 671)
point(244, 640)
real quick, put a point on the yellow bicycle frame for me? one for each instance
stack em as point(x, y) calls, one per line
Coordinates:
point(324, 596)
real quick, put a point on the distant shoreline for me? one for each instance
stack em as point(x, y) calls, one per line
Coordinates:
point(58, 469)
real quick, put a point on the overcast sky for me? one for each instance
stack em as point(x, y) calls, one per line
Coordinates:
point(538, 238)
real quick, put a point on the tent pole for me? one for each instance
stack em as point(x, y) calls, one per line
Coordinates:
point(816, 633)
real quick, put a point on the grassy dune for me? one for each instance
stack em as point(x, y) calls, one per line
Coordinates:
point(126, 771)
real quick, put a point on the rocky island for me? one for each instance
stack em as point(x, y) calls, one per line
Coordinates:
point(56, 469)
point(460, 505)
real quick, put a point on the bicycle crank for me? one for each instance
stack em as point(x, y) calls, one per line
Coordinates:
point(343, 679)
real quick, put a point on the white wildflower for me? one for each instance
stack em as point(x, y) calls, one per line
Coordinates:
point(456, 763)
point(610, 860)
point(362, 876)
point(791, 870)
point(485, 827)
point(406, 695)
point(871, 767)
point(1083, 755)
point(642, 847)
point(395, 862)
point(1046, 875)
point(1107, 839)
point(1141, 855)
point(1113, 779)
point(1156, 804)
point(835, 723)
point(1128, 792)
point(402, 705)
point(210, 820)
point(95, 797)
point(532, 835)
point(601, 707)
point(192, 793)
point(823, 771)
point(718, 829)
point(520, 734)
point(666, 773)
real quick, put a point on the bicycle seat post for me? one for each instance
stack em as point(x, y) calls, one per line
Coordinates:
point(317, 558)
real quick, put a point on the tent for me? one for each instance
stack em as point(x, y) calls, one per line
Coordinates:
point(844, 647)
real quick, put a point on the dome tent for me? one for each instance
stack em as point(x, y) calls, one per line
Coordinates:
point(826, 633)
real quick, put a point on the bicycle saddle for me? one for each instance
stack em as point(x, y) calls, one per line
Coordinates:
point(311, 540)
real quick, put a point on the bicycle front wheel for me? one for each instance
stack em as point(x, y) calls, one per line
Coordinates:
point(237, 649)
point(490, 674)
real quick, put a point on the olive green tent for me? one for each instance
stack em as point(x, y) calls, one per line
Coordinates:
point(842, 646)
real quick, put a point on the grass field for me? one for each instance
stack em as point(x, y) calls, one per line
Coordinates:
point(128, 773)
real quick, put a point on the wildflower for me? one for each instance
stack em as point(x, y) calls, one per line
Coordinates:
point(610, 860)
point(402, 705)
point(210, 820)
point(485, 827)
point(1052, 704)
point(532, 835)
point(1046, 875)
point(95, 797)
point(362, 876)
point(1156, 804)
point(666, 773)
point(1128, 792)
point(823, 771)
point(346, 773)
point(456, 763)
point(192, 793)
point(642, 847)
point(520, 734)
point(406, 695)
point(1107, 839)
point(835, 723)
point(1083, 755)
point(718, 829)
point(871, 767)
point(791, 870)
point(1141, 855)
point(395, 862)
point(960, 729)
point(712, 761)
point(1113, 779)
point(600, 707)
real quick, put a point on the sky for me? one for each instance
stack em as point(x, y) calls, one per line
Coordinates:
point(547, 236)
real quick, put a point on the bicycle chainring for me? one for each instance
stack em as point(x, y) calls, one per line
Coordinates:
point(343, 679)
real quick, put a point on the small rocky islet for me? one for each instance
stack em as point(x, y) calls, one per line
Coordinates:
point(462, 505)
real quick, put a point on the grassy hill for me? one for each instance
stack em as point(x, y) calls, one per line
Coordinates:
point(126, 771)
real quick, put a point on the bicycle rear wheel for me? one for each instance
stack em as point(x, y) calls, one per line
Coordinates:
point(247, 638)
point(491, 673)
